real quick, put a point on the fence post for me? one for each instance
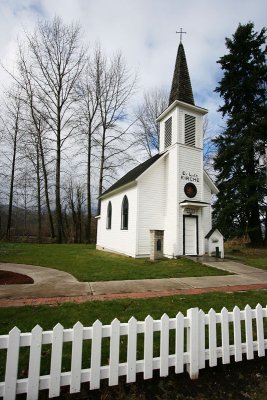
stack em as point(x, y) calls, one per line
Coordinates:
point(193, 343)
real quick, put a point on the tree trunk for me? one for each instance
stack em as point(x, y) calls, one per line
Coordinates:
point(89, 207)
point(58, 202)
point(39, 208)
point(51, 224)
point(58, 170)
point(254, 227)
point(11, 190)
point(101, 172)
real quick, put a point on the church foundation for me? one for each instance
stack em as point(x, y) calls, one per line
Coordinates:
point(156, 244)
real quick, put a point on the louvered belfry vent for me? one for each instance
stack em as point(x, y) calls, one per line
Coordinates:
point(190, 130)
point(168, 132)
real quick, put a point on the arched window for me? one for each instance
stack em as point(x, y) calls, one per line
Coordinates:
point(109, 215)
point(124, 213)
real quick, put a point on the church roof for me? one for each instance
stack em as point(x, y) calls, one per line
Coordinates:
point(133, 174)
point(181, 85)
point(211, 232)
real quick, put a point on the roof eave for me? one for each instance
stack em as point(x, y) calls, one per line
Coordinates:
point(178, 103)
point(162, 156)
point(210, 183)
point(126, 186)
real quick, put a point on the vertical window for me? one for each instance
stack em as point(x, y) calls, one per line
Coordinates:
point(190, 130)
point(124, 213)
point(168, 133)
point(109, 215)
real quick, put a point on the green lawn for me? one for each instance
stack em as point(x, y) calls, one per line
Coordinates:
point(90, 265)
point(69, 313)
point(253, 257)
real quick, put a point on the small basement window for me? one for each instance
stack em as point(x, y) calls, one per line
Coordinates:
point(190, 130)
point(168, 133)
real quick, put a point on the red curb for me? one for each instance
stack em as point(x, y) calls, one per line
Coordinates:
point(114, 296)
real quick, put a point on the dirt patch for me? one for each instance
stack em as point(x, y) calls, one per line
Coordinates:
point(13, 278)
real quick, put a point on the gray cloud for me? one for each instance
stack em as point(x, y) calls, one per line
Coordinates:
point(144, 30)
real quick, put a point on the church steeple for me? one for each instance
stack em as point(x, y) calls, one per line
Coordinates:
point(181, 85)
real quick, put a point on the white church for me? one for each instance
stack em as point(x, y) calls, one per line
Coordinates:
point(163, 206)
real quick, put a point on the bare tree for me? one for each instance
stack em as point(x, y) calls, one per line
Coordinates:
point(56, 60)
point(38, 129)
point(90, 121)
point(74, 200)
point(116, 86)
point(147, 128)
point(12, 130)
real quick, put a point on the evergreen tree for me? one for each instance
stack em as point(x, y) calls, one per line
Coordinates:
point(240, 161)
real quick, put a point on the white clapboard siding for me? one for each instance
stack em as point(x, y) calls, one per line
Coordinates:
point(194, 325)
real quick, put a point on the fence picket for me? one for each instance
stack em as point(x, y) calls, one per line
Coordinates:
point(249, 334)
point(237, 334)
point(164, 345)
point(192, 343)
point(34, 363)
point(225, 336)
point(131, 350)
point(114, 353)
point(56, 359)
point(96, 355)
point(148, 348)
point(12, 364)
point(201, 339)
point(260, 331)
point(212, 338)
point(76, 358)
point(179, 343)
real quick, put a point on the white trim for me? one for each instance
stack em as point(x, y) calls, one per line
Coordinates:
point(119, 189)
point(210, 183)
point(196, 204)
point(194, 109)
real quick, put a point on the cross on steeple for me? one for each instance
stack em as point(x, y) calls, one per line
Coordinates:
point(181, 33)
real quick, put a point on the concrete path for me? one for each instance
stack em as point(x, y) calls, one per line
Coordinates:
point(54, 286)
point(48, 282)
point(244, 275)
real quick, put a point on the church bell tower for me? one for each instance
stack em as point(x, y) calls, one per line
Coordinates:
point(181, 136)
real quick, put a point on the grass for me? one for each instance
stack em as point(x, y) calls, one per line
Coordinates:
point(69, 313)
point(90, 265)
point(253, 257)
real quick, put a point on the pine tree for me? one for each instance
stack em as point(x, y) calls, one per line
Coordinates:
point(240, 161)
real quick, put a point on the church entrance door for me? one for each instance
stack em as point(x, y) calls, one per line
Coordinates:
point(190, 235)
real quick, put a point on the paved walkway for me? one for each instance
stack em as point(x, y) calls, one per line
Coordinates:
point(52, 286)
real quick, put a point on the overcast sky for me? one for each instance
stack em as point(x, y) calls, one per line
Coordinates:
point(144, 30)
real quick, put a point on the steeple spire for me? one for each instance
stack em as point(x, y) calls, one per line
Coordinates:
point(181, 84)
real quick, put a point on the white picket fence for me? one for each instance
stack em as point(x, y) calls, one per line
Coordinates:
point(227, 334)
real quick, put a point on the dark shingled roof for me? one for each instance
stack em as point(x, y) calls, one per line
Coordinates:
point(211, 232)
point(181, 84)
point(133, 174)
